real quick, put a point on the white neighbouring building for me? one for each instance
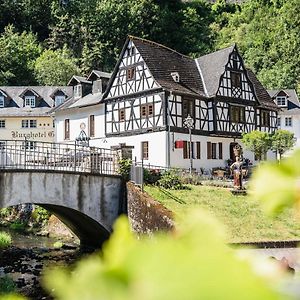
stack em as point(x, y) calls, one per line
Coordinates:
point(154, 88)
point(85, 107)
point(289, 114)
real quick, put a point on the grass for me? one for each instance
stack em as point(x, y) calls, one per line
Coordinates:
point(5, 240)
point(243, 218)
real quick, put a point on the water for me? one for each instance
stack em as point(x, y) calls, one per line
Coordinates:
point(29, 256)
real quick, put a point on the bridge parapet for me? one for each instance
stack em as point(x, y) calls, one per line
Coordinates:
point(34, 155)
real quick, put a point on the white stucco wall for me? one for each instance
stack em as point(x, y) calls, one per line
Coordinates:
point(76, 117)
point(295, 128)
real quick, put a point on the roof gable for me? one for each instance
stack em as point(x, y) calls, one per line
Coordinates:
point(211, 68)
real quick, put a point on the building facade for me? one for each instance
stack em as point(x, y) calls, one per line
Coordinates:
point(24, 112)
point(152, 91)
point(289, 114)
point(83, 112)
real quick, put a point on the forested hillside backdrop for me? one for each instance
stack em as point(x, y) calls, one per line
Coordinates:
point(47, 41)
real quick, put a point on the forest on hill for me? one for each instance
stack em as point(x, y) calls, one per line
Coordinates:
point(47, 41)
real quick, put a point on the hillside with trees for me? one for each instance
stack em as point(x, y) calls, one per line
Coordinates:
point(47, 41)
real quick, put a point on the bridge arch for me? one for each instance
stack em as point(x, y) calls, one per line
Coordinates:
point(87, 203)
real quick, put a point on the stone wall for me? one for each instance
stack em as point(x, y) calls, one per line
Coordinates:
point(146, 215)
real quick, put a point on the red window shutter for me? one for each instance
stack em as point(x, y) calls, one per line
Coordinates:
point(209, 150)
point(198, 150)
point(220, 151)
point(185, 150)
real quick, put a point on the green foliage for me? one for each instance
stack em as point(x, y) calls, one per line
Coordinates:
point(7, 285)
point(258, 142)
point(151, 176)
point(171, 180)
point(282, 141)
point(277, 185)
point(144, 269)
point(263, 31)
point(40, 216)
point(18, 53)
point(124, 168)
point(18, 226)
point(58, 245)
point(55, 67)
point(5, 212)
point(5, 240)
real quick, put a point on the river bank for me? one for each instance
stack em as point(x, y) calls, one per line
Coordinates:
point(25, 261)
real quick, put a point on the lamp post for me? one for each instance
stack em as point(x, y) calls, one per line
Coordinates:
point(189, 123)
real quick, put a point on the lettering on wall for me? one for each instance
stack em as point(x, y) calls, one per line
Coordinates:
point(32, 135)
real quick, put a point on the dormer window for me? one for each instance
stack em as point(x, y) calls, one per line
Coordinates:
point(77, 91)
point(281, 100)
point(175, 76)
point(30, 101)
point(97, 86)
point(59, 99)
point(1, 101)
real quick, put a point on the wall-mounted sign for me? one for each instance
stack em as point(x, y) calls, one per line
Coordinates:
point(32, 135)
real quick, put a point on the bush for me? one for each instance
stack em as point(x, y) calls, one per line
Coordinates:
point(171, 180)
point(18, 226)
point(40, 216)
point(151, 176)
point(58, 245)
point(5, 240)
point(7, 285)
point(193, 179)
point(124, 168)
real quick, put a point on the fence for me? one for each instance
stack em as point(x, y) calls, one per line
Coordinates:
point(35, 155)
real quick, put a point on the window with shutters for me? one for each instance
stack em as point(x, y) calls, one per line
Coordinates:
point(198, 150)
point(220, 151)
point(146, 110)
point(145, 150)
point(92, 126)
point(67, 129)
point(130, 73)
point(288, 122)
point(212, 149)
point(122, 114)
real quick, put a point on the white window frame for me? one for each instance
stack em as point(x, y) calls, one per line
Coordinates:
point(29, 124)
point(59, 99)
point(30, 101)
point(2, 101)
point(78, 91)
point(281, 101)
point(288, 122)
point(2, 124)
point(278, 121)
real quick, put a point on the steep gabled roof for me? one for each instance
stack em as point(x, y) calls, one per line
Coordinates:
point(211, 67)
point(98, 74)
point(78, 79)
point(161, 62)
point(261, 93)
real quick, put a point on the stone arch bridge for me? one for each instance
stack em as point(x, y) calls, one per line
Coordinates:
point(78, 184)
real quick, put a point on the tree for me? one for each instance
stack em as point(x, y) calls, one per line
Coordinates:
point(281, 141)
point(55, 67)
point(18, 52)
point(257, 142)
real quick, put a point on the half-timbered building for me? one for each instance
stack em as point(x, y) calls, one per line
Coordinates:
point(154, 88)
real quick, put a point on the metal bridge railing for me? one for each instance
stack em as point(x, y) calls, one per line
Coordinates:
point(36, 155)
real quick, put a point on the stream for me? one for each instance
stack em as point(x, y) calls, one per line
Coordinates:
point(29, 256)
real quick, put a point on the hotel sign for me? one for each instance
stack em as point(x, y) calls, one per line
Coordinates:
point(32, 135)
